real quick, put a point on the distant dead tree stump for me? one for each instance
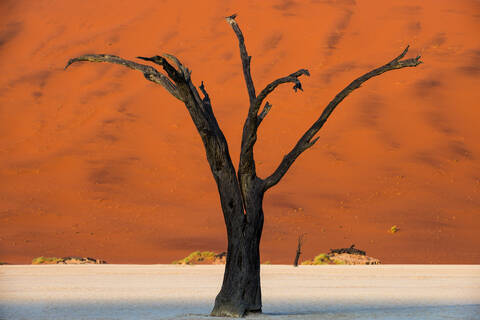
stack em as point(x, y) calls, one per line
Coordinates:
point(301, 240)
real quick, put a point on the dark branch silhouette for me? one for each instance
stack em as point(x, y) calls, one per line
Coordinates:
point(149, 72)
point(307, 140)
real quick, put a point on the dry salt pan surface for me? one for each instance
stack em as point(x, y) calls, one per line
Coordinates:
point(187, 292)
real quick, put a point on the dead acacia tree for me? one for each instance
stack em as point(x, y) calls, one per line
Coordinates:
point(301, 239)
point(242, 191)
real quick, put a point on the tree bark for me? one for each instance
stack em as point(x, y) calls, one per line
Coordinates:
point(241, 291)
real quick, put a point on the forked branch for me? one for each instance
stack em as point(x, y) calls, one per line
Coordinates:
point(307, 140)
point(246, 169)
point(293, 78)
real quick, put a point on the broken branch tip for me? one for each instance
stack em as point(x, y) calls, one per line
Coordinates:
point(70, 62)
point(144, 58)
point(231, 19)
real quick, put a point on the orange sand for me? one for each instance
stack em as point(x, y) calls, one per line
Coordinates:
point(96, 161)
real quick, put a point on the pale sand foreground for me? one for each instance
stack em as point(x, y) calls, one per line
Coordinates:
point(187, 292)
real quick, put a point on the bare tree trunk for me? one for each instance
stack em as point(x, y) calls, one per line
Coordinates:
point(241, 291)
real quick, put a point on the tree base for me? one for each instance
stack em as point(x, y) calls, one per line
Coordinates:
point(234, 309)
point(254, 311)
point(228, 310)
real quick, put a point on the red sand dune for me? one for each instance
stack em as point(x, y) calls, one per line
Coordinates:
point(96, 161)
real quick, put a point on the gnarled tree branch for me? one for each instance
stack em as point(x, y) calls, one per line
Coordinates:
point(181, 75)
point(179, 84)
point(307, 140)
point(149, 72)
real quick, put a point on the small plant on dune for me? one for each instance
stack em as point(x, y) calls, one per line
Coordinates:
point(394, 229)
point(322, 258)
point(45, 260)
point(196, 257)
point(267, 262)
